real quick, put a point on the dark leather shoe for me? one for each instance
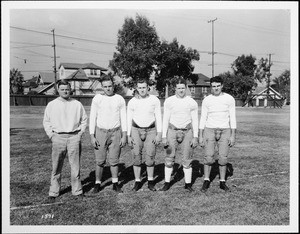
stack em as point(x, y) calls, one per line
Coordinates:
point(189, 187)
point(205, 186)
point(166, 187)
point(117, 188)
point(137, 186)
point(97, 188)
point(151, 186)
point(224, 186)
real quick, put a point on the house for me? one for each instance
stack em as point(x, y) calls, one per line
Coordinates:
point(84, 78)
point(201, 88)
point(261, 96)
point(40, 82)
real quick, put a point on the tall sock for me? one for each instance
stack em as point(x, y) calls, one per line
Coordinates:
point(187, 175)
point(114, 180)
point(168, 173)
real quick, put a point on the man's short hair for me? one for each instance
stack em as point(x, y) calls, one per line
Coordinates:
point(106, 78)
point(63, 82)
point(217, 79)
point(142, 80)
point(180, 80)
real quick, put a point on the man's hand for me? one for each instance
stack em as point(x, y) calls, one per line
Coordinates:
point(130, 141)
point(201, 141)
point(123, 141)
point(94, 141)
point(165, 142)
point(231, 141)
point(194, 142)
point(157, 139)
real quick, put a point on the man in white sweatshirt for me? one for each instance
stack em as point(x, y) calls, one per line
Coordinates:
point(108, 131)
point(144, 131)
point(64, 122)
point(217, 126)
point(180, 127)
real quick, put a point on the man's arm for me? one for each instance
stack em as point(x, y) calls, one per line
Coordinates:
point(158, 122)
point(47, 123)
point(165, 123)
point(232, 137)
point(92, 124)
point(129, 122)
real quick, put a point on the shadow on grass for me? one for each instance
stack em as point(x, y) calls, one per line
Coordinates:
point(15, 131)
point(126, 175)
point(216, 172)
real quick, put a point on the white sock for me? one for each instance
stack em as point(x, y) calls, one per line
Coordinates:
point(207, 179)
point(137, 179)
point(187, 175)
point(114, 180)
point(98, 182)
point(150, 178)
point(222, 180)
point(168, 173)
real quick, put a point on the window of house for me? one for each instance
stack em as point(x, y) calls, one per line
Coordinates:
point(192, 89)
point(204, 89)
point(62, 72)
point(93, 72)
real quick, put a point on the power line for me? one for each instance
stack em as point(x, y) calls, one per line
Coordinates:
point(64, 36)
point(29, 46)
point(255, 28)
point(84, 50)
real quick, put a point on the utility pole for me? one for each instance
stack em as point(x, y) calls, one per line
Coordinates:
point(268, 83)
point(269, 75)
point(212, 53)
point(55, 73)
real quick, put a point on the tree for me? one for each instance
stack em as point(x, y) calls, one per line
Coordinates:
point(137, 48)
point(282, 84)
point(173, 61)
point(262, 71)
point(237, 85)
point(16, 82)
point(244, 65)
point(241, 81)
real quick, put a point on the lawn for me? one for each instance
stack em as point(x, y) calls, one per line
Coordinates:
point(260, 184)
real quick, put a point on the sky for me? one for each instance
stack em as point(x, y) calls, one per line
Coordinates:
point(87, 32)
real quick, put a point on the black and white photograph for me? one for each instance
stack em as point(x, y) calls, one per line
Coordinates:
point(149, 116)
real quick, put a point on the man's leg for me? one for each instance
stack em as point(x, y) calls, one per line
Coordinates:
point(170, 152)
point(187, 155)
point(114, 151)
point(100, 158)
point(58, 156)
point(137, 154)
point(74, 152)
point(150, 149)
point(223, 152)
point(209, 146)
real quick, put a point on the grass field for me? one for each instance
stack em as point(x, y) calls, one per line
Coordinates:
point(260, 184)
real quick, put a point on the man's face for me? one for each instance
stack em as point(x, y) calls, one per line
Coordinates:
point(142, 88)
point(64, 91)
point(108, 87)
point(216, 88)
point(180, 90)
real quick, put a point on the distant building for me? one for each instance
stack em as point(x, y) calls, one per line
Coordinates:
point(201, 88)
point(84, 78)
point(260, 97)
point(40, 82)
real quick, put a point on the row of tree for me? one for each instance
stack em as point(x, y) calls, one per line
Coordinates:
point(140, 54)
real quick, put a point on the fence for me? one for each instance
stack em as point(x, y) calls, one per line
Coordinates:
point(86, 100)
